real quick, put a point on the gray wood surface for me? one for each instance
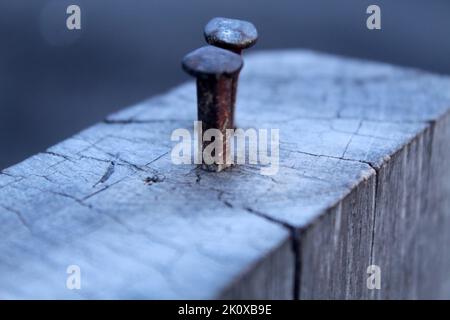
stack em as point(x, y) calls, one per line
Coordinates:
point(363, 180)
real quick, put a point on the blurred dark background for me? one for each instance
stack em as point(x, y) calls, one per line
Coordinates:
point(55, 82)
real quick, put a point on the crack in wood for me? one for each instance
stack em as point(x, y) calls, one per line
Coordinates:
point(19, 216)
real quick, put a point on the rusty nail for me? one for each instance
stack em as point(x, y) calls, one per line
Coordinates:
point(234, 35)
point(215, 70)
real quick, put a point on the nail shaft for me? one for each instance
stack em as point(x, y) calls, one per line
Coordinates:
point(233, 35)
point(215, 70)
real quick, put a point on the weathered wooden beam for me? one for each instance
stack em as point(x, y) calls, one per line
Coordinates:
point(363, 180)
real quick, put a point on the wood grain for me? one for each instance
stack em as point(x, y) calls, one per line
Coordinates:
point(363, 180)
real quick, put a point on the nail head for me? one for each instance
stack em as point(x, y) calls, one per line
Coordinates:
point(230, 33)
point(212, 61)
